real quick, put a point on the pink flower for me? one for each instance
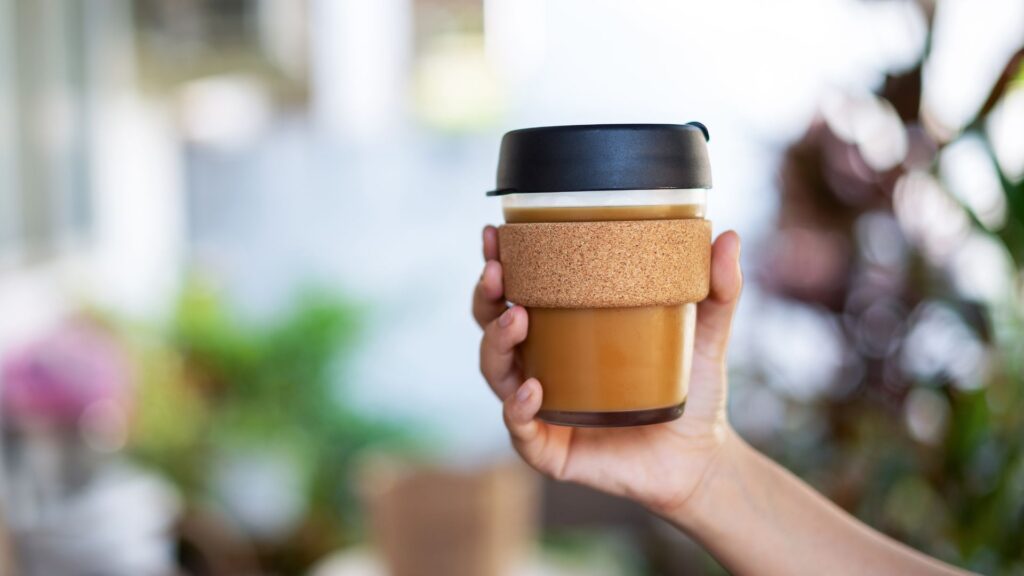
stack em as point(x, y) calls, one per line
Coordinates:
point(57, 377)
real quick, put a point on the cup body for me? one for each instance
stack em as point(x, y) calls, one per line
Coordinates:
point(609, 366)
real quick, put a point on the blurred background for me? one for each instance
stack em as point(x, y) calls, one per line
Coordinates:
point(238, 240)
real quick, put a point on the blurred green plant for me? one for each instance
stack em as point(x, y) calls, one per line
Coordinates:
point(213, 385)
point(954, 489)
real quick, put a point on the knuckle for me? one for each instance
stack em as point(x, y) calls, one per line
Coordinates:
point(487, 340)
point(496, 338)
point(486, 361)
point(506, 415)
point(487, 366)
point(479, 313)
point(483, 359)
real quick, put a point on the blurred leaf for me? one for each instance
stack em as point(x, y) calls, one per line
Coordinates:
point(220, 384)
point(962, 499)
point(1012, 71)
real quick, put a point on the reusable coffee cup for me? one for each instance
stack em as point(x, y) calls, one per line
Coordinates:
point(606, 245)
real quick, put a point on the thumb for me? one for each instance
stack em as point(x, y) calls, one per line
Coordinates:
point(714, 314)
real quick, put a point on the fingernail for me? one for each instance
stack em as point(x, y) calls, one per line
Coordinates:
point(523, 394)
point(506, 318)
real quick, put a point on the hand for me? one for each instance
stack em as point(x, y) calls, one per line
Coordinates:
point(661, 466)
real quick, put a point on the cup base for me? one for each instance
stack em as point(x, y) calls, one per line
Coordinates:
point(612, 419)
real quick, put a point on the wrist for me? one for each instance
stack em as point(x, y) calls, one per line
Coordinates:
point(702, 509)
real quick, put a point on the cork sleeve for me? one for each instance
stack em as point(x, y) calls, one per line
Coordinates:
point(606, 264)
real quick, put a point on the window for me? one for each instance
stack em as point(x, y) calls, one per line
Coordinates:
point(43, 121)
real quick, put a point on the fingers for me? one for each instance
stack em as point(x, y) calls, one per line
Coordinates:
point(490, 243)
point(714, 314)
point(504, 327)
point(497, 350)
point(541, 445)
point(488, 297)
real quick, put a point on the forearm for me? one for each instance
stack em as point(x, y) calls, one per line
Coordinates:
point(758, 518)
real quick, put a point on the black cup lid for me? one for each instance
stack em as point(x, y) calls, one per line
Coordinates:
point(603, 157)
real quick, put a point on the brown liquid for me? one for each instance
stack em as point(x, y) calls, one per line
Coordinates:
point(603, 213)
point(609, 366)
